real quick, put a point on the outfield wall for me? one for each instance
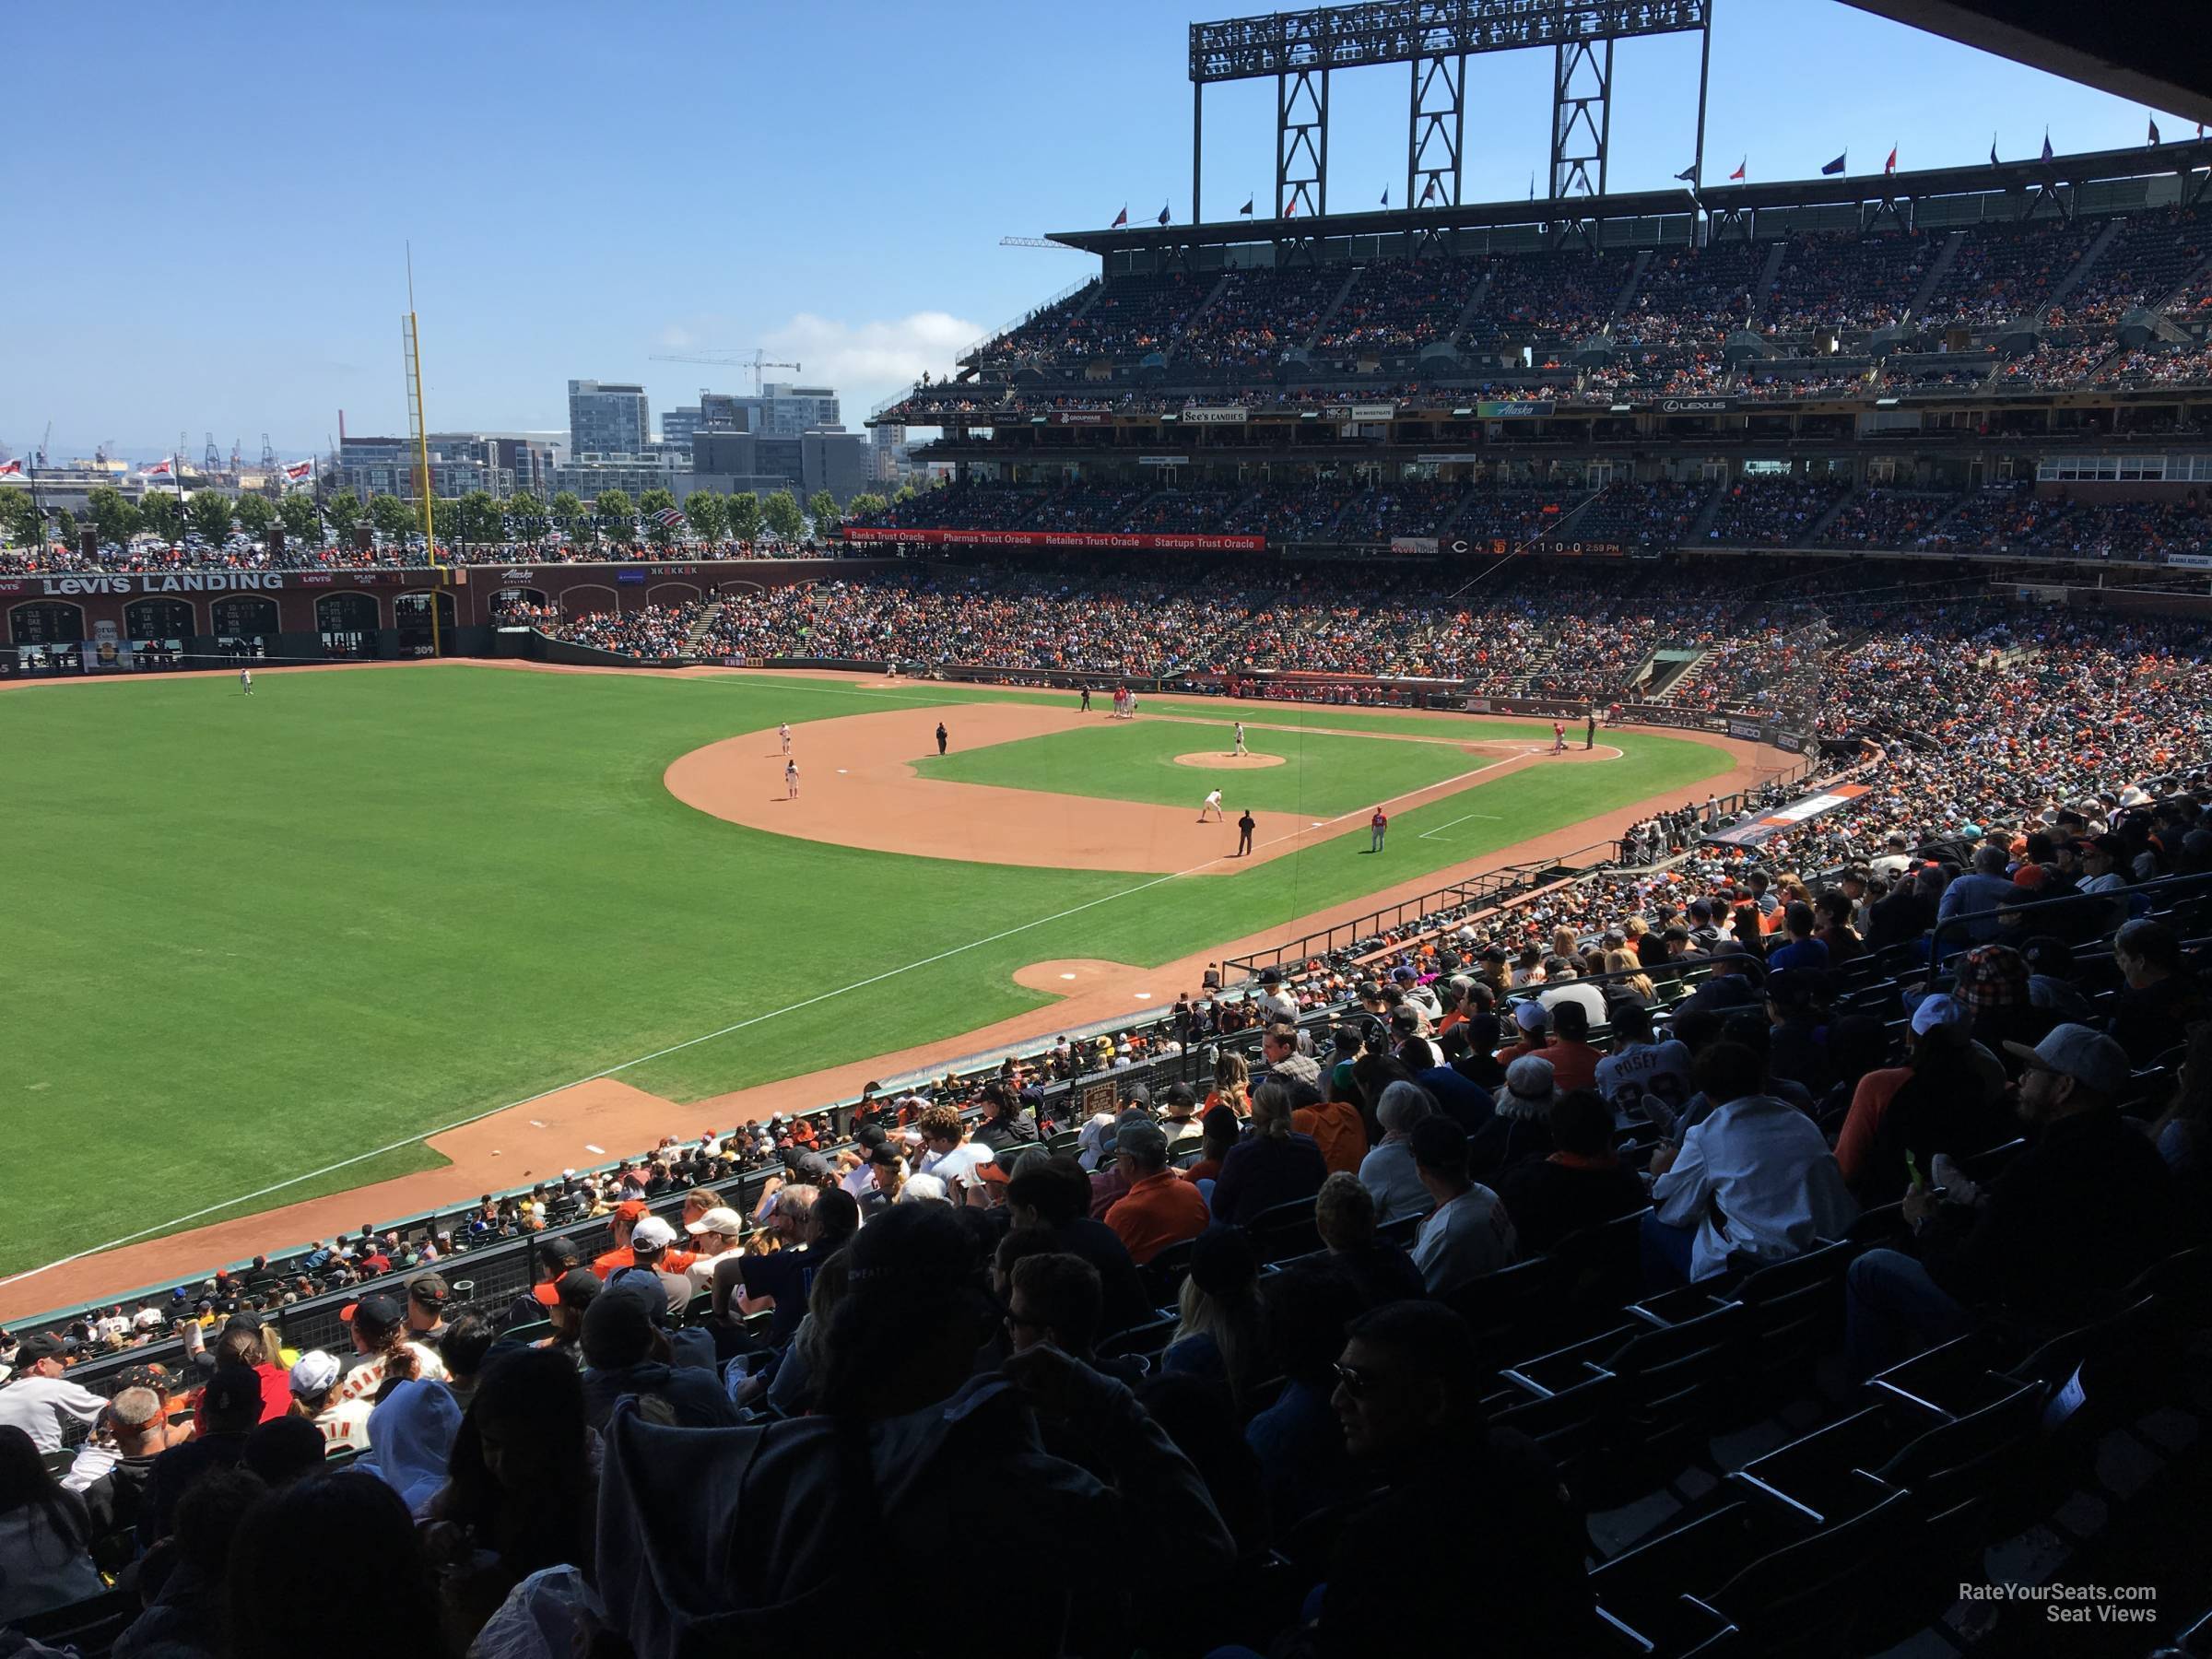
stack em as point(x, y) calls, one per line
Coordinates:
point(104, 624)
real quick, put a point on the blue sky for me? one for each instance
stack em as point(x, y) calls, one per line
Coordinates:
point(585, 185)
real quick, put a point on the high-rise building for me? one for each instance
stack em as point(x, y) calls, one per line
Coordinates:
point(836, 461)
point(607, 419)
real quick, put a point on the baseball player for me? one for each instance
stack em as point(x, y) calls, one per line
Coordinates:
point(1240, 748)
point(791, 780)
point(1558, 736)
point(784, 732)
point(1377, 827)
point(1213, 804)
point(245, 681)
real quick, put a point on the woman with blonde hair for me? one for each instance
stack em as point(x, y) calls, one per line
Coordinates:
point(1233, 1083)
point(1626, 962)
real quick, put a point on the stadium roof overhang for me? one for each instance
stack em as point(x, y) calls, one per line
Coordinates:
point(2158, 52)
point(2019, 177)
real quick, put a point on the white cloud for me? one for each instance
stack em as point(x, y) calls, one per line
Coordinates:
point(676, 337)
point(870, 362)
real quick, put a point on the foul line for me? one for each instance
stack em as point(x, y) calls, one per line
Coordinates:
point(1463, 817)
point(873, 979)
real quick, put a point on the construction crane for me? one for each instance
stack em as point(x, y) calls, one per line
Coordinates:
point(268, 457)
point(730, 360)
point(215, 456)
point(1036, 241)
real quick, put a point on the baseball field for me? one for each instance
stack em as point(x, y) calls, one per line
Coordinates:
point(264, 946)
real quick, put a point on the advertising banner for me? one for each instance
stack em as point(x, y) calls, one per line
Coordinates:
point(1751, 832)
point(877, 535)
point(1215, 417)
point(1419, 546)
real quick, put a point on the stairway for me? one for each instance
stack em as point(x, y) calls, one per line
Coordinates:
point(1936, 273)
point(1829, 517)
point(1765, 284)
point(2082, 268)
point(1628, 288)
point(1184, 328)
point(1469, 311)
point(1329, 312)
point(1702, 526)
point(703, 627)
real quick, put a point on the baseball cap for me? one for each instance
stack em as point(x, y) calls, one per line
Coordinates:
point(429, 1289)
point(652, 1233)
point(577, 1290)
point(630, 1209)
point(720, 1220)
point(1530, 1079)
point(315, 1372)
point(1146, 1140)
point(2075, 1051)
point(1935, 1011)
point(378, 1312)
point(643, 1287)
point(43, 1345)
point(1529, 1016)
point(1224, 1260)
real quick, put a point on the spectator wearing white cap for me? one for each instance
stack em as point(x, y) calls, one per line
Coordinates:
point(717, 1232)
point(1869, 1151)
point(2083, 1209)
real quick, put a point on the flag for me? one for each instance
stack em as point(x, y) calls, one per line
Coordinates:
point(1890, 166)
point(294, 474)
point(668, 518)
point(11, 469)
point(1164, 213)
point(1689, 175)
point(1738, 174)
point(1245, 211)
point(1531, 186)
point(2046, 144)
point(162, 468)
point(1291, 207)
point(1385, 195)
point(1992, 151)
point(2154, 129)
point(1836, 166)
point(1120, 219)
point(1427, 190)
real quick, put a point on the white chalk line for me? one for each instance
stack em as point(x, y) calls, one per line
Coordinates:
point(398, 1146)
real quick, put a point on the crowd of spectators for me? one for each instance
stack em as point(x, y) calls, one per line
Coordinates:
point(2151, 254)
point(1258, 315)
point(1400, 305)
point(651, 631)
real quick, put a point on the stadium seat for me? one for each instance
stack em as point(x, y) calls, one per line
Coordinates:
point(89, 1627)
point(1287, 1230)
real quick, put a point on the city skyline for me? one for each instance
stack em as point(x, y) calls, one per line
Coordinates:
point(257, 282)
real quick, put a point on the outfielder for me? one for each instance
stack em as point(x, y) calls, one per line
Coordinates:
point(245, 681)
point(784, 732)
point(791, 780)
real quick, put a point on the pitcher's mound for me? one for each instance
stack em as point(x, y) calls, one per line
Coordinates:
point(1229, 762)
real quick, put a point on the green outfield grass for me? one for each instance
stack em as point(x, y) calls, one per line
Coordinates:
point(256, 937)
point(1323, 774)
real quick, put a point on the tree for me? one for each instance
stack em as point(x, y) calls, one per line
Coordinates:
point(255, 514)
point(905, 492)
point(526, 513)
point(19, 516)
point(743, 511)
point(112, 516)
point(651, 505)
point(709, 522)
point(64, 526)
point(208, 512)
point(782, 514)
point(865, 506)
point(567, 512)
point(344, 511)
point(618, 514)
point(159, 513)
point(392, 515)
point(475, 517)
point(300, 520)
point(821, 507)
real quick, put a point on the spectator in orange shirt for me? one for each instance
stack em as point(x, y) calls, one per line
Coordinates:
point(625, 1215)
point(1573, 1060)
point(1157, 1211)
point(1336, 1128)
